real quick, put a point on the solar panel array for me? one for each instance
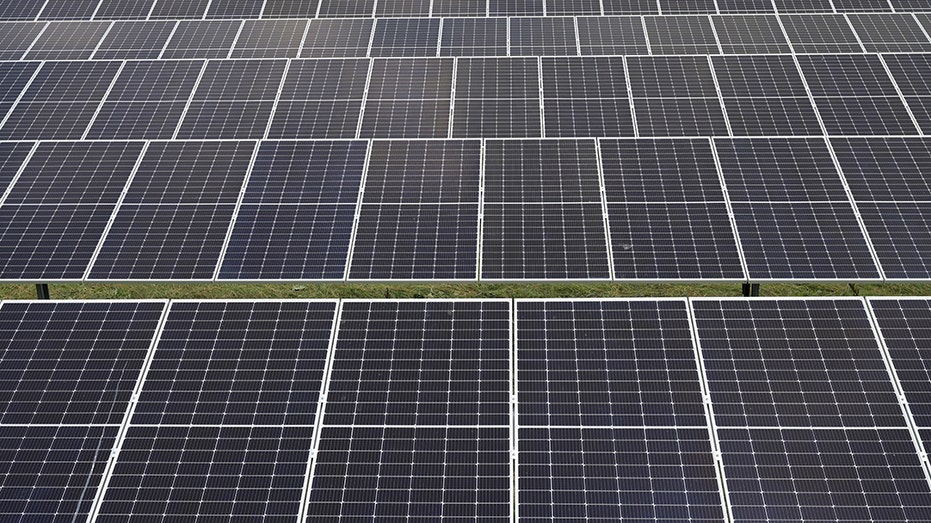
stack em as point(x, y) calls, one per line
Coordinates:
point(332, 140)
point(483, 410)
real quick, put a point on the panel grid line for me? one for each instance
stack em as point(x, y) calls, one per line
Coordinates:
point(712, 426)
point(242, 196)
point(190, 100)
point(318, 425)
point(103, 99)
point(898, 91)
point(127, 418)
point(730, 210)
point(116, 210)
point(19, 172)
point(900, 390)
point(357, 216)
point(604, 209)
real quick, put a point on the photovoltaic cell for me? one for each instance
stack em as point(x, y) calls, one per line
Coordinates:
point(238, 363)
point(72, 362)
point(20, 10)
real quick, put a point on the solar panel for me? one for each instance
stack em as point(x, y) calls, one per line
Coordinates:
point(607, 364)
point(298, 211)
point(320, 99)
point(474, 37)
point(863, 104)
point(765, 95)
point(421, 364)
point(426, 385)
point(534, 188)
point(201, 38)
point(237, 363)
point(60, 101)
point(72, 363)
point(269, 39)
point(809, 423)
point(17, 37)
point(892, 195)
point(135, 40)
point(497, 97)
point(146, 101)
point(611, 35)
point(408, 98)
point(667, 214)
point(680, 35)
point(343, 37)
point(750, 34)
point(586, 97)
point(52, 472)
point(175, 215)
point(233, 99)
point(419, 214)
point(675, 96)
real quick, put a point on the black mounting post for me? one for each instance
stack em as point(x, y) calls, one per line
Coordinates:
point(751, 289)
point(42, 291)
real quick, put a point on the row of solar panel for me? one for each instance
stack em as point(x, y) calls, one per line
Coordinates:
point(655, 410)
point(411, 37)
point(773, 95)
point(155, 9)
point(634, 209)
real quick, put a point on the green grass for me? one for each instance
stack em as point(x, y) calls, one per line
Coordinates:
point(79, 291)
